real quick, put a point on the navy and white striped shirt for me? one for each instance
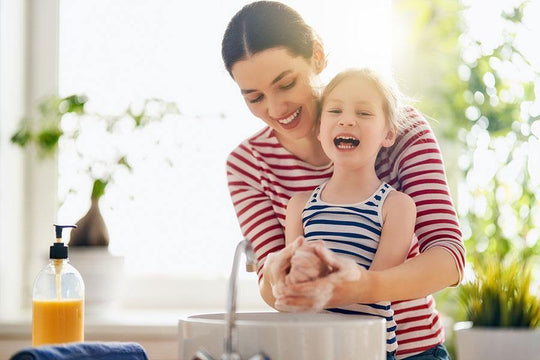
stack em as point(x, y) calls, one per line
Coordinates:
point(353, 231)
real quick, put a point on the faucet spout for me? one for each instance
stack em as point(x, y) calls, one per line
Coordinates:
point(230, 343)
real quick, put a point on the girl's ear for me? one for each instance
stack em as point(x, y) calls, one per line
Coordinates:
point(318, 58)
point(390, 138)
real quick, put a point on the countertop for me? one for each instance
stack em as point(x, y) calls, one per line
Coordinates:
point(156, 331)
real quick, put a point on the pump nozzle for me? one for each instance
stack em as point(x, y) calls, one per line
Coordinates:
point(59, 229)
point(58, 250)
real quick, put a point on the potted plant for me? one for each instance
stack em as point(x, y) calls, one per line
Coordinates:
point(502, 311)
point(66, 120)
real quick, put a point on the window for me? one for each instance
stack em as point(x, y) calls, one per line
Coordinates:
point(179, 219)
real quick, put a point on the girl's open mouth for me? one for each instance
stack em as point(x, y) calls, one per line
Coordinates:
point(346, 142)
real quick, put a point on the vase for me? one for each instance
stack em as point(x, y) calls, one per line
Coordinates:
point(496, 343)
point(91, 229)
point(102, 272)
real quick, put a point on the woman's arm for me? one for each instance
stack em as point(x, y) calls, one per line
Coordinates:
point(416, 164)
point(423, 275)
point(258, 221)
point(413, 279)
point(350, 283)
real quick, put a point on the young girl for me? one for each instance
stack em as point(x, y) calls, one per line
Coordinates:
point(354, 213)
point(274, 57)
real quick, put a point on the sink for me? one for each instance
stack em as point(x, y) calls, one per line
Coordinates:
point(283, 336)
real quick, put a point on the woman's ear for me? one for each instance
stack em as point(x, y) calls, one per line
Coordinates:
point(318, 58)
point(390, 138)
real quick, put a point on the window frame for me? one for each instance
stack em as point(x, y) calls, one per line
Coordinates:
point(28, 183)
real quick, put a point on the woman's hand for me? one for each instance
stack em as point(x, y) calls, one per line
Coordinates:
point(321, 293)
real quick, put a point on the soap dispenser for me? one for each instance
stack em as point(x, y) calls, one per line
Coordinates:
point(58, 298)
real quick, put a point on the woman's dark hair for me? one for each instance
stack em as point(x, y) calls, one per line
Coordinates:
point(264, 25)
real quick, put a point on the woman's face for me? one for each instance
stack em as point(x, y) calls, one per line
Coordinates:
point(276, 87)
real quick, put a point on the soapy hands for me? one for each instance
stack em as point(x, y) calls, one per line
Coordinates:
point(306, 265)
point(306, 276)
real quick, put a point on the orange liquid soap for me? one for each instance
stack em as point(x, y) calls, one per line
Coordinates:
point(57, 321)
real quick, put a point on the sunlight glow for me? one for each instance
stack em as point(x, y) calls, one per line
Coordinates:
point(173, 214)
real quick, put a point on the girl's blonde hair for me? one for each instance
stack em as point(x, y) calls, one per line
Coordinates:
point(394, 102)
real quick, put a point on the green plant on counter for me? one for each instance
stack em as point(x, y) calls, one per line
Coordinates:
point(46, 130)
point(501, 296)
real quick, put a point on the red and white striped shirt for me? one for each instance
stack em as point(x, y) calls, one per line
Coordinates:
point(263, 175)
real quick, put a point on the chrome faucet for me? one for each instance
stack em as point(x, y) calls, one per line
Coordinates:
point(231, 336)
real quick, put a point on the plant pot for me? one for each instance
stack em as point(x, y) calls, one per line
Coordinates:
point(496, 343)
point(103, 276)
point(91, 229)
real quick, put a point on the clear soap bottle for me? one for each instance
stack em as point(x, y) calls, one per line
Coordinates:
point(58, 299)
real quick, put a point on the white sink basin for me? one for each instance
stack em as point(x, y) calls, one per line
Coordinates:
point(283, 336)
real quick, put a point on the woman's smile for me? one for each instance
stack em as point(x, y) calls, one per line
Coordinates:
point(291, 120)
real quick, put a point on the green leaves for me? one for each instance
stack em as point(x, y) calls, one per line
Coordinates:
point(22, 135)
point(73, 104)
point(485, 99)
point(46, 130)
point(47, 139)
point(501, 296)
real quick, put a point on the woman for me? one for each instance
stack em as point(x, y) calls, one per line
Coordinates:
point(275, 58)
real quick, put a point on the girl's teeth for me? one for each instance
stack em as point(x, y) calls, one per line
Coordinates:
point(346, 142)
point(290, 118)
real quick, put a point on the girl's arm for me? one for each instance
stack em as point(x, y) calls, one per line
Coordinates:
point(293, 217)
point(399, 216)
point(305, 265)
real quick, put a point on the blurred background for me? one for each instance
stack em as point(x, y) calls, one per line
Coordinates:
point(471, 66)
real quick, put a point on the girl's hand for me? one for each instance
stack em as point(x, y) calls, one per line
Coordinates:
point(306, 265)
point(278, 264)
point(321, 293)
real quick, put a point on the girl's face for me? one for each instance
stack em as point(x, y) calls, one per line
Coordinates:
point(353, 124)
point(277, 89)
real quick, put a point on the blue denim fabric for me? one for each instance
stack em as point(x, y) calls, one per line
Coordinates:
point(435, 353)
point(391, 355)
